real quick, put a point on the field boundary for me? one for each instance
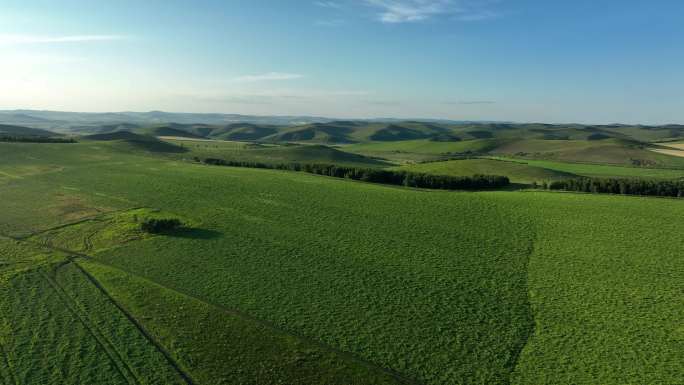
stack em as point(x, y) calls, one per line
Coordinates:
point(269, 325)
point(402, 378)
point(176, 366)
point(532, 327)
point(121, 365)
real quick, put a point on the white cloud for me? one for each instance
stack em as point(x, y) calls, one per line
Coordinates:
point(409, 11)
point(406, 11)
point(270, 76)
point(20, 39)
point(328, 4)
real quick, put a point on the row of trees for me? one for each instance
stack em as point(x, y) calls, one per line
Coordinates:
point(401, 178)
point(35, 139)
point(662, 188)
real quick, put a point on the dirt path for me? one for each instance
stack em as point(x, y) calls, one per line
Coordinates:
point(674, 149)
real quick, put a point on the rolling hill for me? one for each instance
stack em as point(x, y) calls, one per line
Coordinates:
point(274, 153)
point(9, 130)
point(283, 277)
point(516, 172)
point(166, 131)
point(129, 141)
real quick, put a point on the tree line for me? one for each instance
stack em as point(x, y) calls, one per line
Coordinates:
point(35, 139)
point(661, 188)
point(392, 177)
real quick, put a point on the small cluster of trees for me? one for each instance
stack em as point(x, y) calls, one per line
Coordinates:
point(401, 178)
point(35, 139)
point(160, 225)
point(662, 188)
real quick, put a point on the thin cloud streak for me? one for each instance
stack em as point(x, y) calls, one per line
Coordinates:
point(9, 39)
point(412, 11)
point(270, 76)
point(328, 4)
point(407, 11)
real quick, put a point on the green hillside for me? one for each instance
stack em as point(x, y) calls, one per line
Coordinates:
point(282, 277)
point(243, 131)
point(273, 153)
point(166, 131)
point(8, 130)
point(132, 142)
point(422, 149)
point(606, 151)
point(600, 170)
point(516, 172)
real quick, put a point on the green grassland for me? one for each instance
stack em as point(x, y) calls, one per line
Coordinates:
point(528, 171)
point(600, 170)
point(410, 151)
point(272, 153)
point(377, 144)
point(610, 151)
point(10, 130)
point(297, 278)
point(607, 151)
point(516, 172)
point(603, 284)
point(345, 132)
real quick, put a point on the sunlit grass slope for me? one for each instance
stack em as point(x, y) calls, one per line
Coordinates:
point(601, 170)
point(336, 261)
point(272, 153)
point(345, 278)
point(605, 287)
point(421, 149)
point(516, 172)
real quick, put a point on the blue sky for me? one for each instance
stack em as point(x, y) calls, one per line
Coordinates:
point(523, 60)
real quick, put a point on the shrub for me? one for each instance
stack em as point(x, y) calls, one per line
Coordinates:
point(160, 225)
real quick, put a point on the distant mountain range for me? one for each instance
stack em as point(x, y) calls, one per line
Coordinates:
point(65, 122)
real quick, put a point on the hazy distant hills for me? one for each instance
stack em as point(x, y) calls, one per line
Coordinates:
point(67, 121)
point(12, 130)
point(79, 121)
point(318, 130)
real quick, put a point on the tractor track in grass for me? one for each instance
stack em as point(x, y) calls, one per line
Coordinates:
point(71, 223)
point(400, 377)
point(74, 308)
point(167, 355)
point(119, 363)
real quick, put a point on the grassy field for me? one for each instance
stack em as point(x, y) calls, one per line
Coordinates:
point(516, 172)
point(608, 305)
point(419, 150)
point(599, 170)
point(528, 171)
point(308, 279)
point(271, 153)
point(610, 151)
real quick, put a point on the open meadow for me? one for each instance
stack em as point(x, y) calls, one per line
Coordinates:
point(285, 277)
